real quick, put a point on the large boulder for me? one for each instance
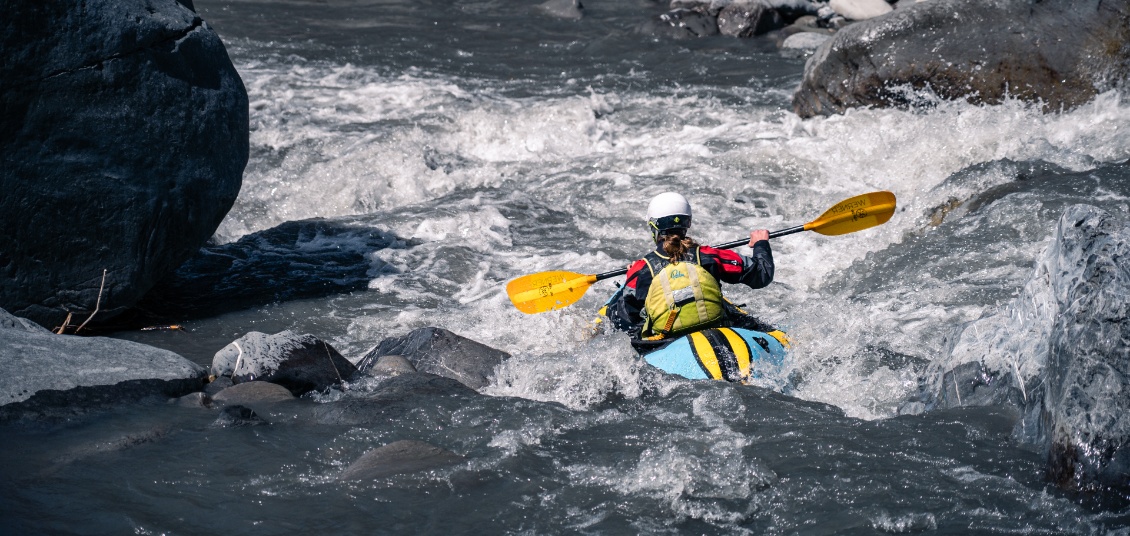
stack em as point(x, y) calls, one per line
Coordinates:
point(44, 375)
point(1059, 354)
point(300, 363)
point(123, 138)
point(1086, 409)
point(1060, 53)
point(440, 352)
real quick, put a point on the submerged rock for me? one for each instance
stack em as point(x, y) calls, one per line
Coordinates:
point(441, 352)
point(392, 399)
point(406, 456)
point(192, 400)
point(44, 375)
point(253, 393)
point(238, 416)
point(125, 135)
point(1060, 53)
point(301, 363)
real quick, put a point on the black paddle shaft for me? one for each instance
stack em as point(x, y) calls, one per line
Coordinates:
point(727, 245)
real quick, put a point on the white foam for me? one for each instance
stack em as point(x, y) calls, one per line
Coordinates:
point(330, 140)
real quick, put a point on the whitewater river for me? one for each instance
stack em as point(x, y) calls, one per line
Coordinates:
point(494, 140)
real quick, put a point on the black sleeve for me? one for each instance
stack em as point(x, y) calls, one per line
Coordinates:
point(757, 269)
point(625, 311)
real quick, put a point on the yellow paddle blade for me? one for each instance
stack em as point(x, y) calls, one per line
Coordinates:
point(855, 214)
point(546, 291)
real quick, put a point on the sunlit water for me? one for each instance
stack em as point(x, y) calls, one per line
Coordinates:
point(497, 141)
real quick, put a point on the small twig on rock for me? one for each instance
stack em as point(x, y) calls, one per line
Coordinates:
point(63, 328)
point(97, 304)
point(238, 358)
point(331, 358)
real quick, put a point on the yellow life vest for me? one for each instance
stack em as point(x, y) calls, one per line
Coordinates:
point(683, 297)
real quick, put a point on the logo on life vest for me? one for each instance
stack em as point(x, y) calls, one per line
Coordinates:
point(675, 274)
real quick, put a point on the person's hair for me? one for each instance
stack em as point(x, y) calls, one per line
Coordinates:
point(675, 245)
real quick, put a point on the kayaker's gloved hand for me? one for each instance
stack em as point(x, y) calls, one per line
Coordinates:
point(757, 236)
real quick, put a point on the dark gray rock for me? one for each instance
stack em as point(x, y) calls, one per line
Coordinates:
point(441, 352)
point(252, 394)
point(1086, 409)
point(392, 365)
point(749, 19)
point(10, 321)
point(43, 375)
point(392, 399)
point(192, 400)
point(682, 23)
point(1060, 354)
point(123, 137)
point(296, 260)
point(301, 363)
point(399, 457)
point(238, 416)
point(218, 384)
point(1057, 52)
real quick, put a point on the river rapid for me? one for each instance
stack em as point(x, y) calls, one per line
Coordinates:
point(494, 140)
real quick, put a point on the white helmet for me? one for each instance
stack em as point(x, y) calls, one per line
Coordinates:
point(668, 211)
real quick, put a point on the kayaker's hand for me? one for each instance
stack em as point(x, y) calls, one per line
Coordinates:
point(758, 235)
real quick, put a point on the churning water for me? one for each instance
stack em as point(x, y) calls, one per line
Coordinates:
point(495, 140)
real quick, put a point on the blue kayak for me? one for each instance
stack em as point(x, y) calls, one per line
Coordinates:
point(731, 354)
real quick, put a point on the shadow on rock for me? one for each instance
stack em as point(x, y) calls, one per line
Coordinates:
point(296, 260)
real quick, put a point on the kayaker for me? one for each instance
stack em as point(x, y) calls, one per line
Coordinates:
point(674, 289)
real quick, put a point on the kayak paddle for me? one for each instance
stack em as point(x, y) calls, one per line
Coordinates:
point(546, 291)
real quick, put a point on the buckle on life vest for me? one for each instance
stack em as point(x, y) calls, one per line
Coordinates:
point(671, 319)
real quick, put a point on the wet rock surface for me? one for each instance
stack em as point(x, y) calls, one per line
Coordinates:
point(980, 51)
point(44, 375)
point(301, 363)
point(441, 352)
point(1086, 408)
point(1059, 354)
point(125, 137)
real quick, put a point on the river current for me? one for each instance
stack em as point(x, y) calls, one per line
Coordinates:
point(496, 140)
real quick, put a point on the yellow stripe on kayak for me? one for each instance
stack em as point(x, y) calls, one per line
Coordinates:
point(740, 349)
point(706, 356)
point(781, 338)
